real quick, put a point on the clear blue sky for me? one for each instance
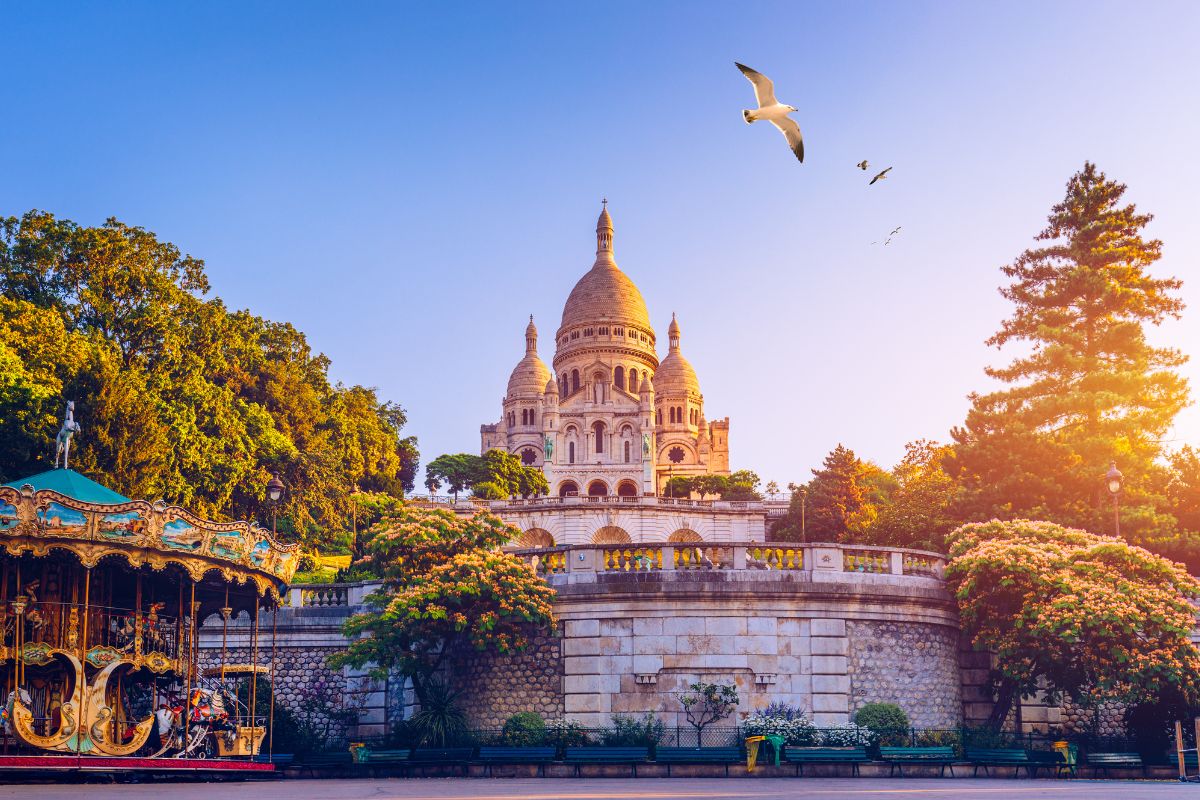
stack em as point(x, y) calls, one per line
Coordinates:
point(408, 182)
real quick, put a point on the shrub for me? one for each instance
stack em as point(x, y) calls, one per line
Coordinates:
point(845, 737)
point(629, 731)
point(523, 729)
point(565, 733)
point(881, 718)
point(783, 720)
point(440, 722)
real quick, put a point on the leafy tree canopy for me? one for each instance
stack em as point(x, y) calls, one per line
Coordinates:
point(496, 475)
point(179, 397)
point(447, 586)
point(1071, 612)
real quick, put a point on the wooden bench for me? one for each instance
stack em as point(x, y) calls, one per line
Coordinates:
point(516, 755)
point(987, 757)
point(376, 761)
point(338, 762)
point(1047, 759)
point(278, 759)
point(442, 756)
point(698, 755)
point(1107, 761)
point(578, 756)
point(826, 755)
point(898, 757)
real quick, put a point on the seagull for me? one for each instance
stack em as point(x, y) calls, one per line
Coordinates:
point(895, 230)
point(880, 176)
point(772, 110)
point(862, 164)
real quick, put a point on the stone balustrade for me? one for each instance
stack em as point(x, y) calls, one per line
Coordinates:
point(772, 508)
point(821, 557)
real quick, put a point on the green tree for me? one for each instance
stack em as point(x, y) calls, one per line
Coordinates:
point(1073, 613)
point(918, 511)
point(446, 587)
point(1183, 488)
point(706, 703)
point(839, 497)
point(678, 486)
point(741, 485)
point(1088, 388)
point(456, 471)
point(705, 485)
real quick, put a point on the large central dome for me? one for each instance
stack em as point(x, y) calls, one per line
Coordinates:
point(605, 295)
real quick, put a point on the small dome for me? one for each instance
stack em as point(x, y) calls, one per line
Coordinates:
point(675, 375)
point(531, 374)
point(672, 329)
point(552, 386)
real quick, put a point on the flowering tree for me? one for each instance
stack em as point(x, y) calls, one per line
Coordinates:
point(706, 703)
point(1071, 612)
point(447, 586)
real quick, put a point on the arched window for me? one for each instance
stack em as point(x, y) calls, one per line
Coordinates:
point(574, 380)
point(597, 489)
point(598, 431)
point(570, 452)
point(627, 489)
point(634, 386)
point(619, 377)
point(565, 388)
point(568, 489)
point(628, 451)
point(678, 414)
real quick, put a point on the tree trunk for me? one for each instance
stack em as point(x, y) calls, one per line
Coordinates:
point(1005, 696)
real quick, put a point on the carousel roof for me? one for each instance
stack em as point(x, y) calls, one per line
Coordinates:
point(70, 483)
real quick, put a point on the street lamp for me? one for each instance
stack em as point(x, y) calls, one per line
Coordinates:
point(274, 495)
point(803, 510)
point(1113, 480)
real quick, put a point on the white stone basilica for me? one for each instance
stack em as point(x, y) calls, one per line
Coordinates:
point(615, 420)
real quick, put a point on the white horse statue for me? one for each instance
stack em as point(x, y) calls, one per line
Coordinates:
point(63, 441)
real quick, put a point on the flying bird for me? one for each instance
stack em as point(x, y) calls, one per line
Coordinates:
point(772, 110)
point(862, 164)
point(895, 230)
point(880, 176)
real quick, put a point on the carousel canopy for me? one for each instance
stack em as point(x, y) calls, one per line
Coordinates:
point(70, 483)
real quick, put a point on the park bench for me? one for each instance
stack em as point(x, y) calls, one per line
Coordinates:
point(826, 755)
point(278, 759)
point(517, 755)
point(337, 762)
point(698, 755)
point(987, 757)
point(898, 757)
point(1047, 759)
point(441, 756)
point(1107, 761)
point(376, 761)
point(578, 756)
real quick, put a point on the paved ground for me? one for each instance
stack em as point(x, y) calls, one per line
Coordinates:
point(605, 789)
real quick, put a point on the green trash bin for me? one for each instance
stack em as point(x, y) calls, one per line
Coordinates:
point(776, 743)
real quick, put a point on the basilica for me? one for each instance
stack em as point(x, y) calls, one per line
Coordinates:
point(611, 419)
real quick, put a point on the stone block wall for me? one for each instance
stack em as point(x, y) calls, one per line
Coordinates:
point(496, 687)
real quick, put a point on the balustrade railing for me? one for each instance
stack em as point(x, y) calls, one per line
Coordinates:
point(324, 596)
point(65, 626)
point(720, 556)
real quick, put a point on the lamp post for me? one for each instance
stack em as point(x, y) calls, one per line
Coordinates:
point(1113, 481)
point(803, 514)
point(274, 495)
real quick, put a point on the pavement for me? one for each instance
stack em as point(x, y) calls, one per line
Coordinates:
point(619, 789)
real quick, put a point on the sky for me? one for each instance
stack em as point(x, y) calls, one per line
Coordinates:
point(407, 182)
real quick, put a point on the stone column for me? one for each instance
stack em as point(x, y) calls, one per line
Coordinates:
point(830, 676)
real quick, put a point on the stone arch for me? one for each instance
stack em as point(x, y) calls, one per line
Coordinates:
point(534, 537)
point(627, 489)
point(597, 488)
point(611, 534)
point(685, 535)
point(568, 489)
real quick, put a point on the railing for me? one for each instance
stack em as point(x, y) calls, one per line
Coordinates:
point(469, 505)
point(64, 625)
point(813, 557)
point(324, 596)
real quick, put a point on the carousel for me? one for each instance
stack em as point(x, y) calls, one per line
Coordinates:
point(103, 597)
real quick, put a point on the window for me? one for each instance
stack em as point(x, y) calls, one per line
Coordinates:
point(597, 489)
point(619, 377)
point(571, 453)
point(588, 331)
point(633, 334)
point(568, 489)
point(574, 380)
point(598, 432)
point(603, 331)
point(628, 450)
point(675, 455)
point(678, 414)
point(528, 456)
point(633, 381)
point(618, 331)
point(574, 335)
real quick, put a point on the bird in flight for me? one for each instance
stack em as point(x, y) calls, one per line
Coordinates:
point(880, 176)
point(772, 110)
point(862, 164)
point(895, 230)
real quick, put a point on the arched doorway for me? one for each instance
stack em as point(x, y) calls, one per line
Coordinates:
point(686, 535)
point(597, 489)
point(627, 489)
point(568, 489)
point(534, 537)
point(611, 534)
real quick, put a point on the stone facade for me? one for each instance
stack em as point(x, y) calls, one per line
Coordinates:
point(611, 419)
point(912, 665)
point(495, 688)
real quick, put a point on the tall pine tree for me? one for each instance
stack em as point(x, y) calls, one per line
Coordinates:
point(1087, 387)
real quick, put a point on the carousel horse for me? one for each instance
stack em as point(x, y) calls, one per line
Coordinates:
point(152, 630)
point(33, 614)
point(63, 441)
point(7, 714)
